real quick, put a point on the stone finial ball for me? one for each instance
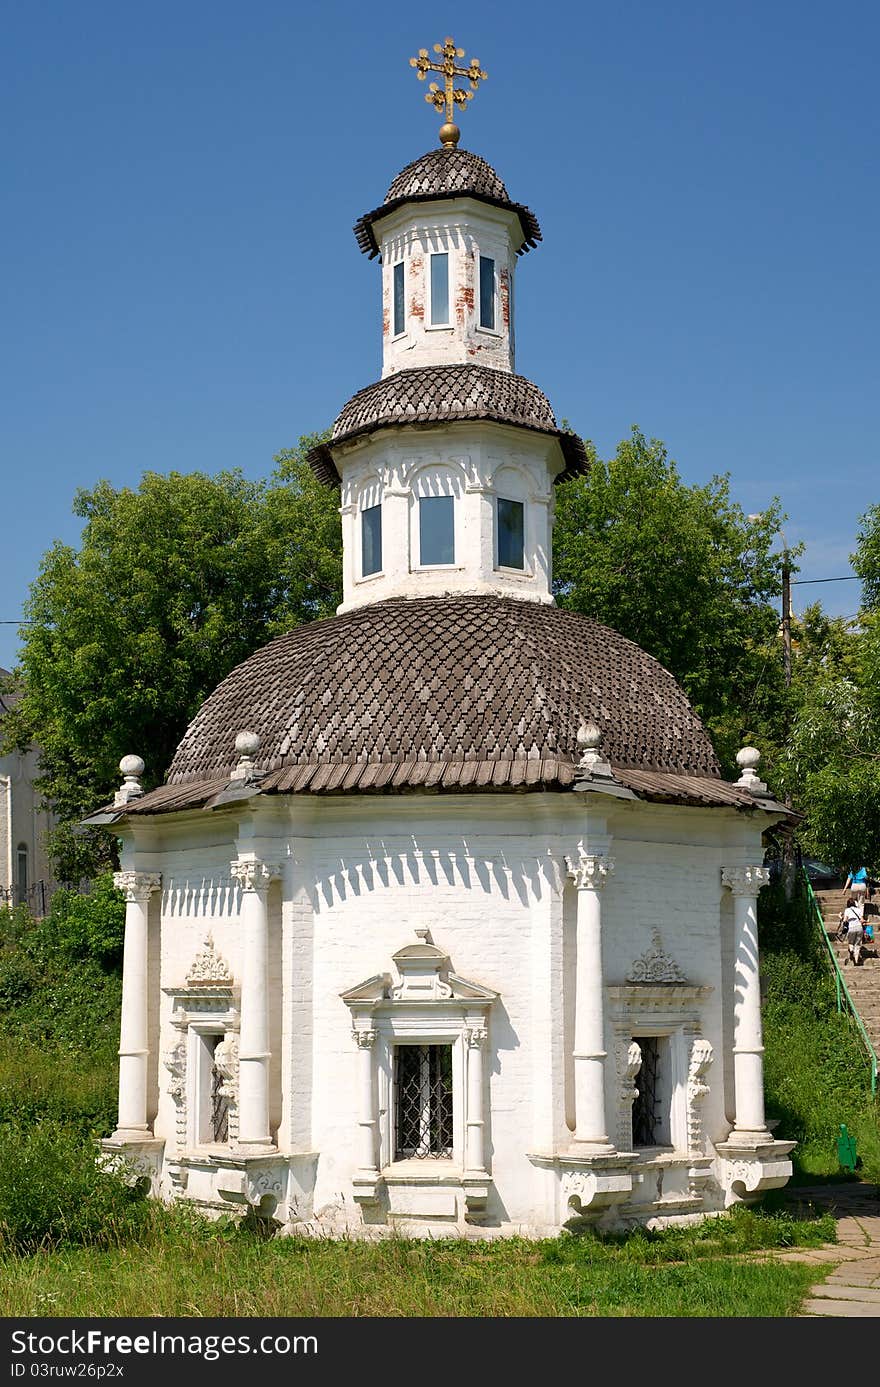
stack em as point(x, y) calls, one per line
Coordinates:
point(247, 743)
point(131, 765)
point(748, 757)
point(589, 735)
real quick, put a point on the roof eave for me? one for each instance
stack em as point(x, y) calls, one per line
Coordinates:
point(366, 237)
point(323, 464)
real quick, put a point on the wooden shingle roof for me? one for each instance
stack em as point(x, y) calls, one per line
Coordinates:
point(446, 693)
point(428, 395)
point(437, 176)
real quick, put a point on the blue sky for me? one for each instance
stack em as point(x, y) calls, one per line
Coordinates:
point(182, 289)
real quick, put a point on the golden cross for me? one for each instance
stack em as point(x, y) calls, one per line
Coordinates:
point(447, 97)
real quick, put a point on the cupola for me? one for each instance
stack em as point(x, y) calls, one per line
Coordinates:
point(446, 465)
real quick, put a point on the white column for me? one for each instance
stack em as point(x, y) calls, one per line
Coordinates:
point(254, 1055)
point(134, 1048)
point(475, 1146)
point(367, 1117)
point(589, 871)
point(748, 1047)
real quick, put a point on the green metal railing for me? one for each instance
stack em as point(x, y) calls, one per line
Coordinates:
point(842, 989)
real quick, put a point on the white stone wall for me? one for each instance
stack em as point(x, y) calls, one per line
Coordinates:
point(475, 464)
point(463, 230)
point(485, 875)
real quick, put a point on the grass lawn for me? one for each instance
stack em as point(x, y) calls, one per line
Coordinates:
point(187, 1267)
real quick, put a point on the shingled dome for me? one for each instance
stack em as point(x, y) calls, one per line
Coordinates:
point(439, 394)
point(447, 693)
point(445, 173)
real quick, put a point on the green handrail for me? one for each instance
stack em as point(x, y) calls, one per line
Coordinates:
point(841, 984)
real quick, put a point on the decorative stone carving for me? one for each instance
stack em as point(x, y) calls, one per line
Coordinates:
point(132, 768)
point(655, 965)
point(629, 1064)
point(253, 875)
point(175, 1062)
point(209, 968)
point(589, 871)
point(247, 744)
point(137, 886)
point(421, 968)
point(592, 762)
point(745, 881)
point(226, 1065)
point(364, 1040)
point(747, 759)
point(589, 1194)
point(475, 1036)
point(134, 1163)
point(702, 1056)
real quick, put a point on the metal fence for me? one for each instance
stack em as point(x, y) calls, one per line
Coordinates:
point(38, 895)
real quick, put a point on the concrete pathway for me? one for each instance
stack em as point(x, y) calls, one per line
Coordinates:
point(852, 1289)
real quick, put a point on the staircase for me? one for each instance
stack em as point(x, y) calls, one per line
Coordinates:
point(863, 983)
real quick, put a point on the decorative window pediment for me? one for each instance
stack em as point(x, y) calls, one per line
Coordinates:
point(420, 1038)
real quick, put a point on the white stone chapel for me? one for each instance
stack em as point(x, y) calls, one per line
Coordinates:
point(444, 920)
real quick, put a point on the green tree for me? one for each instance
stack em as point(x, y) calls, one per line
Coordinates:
point(173, 585)
point(686, 575)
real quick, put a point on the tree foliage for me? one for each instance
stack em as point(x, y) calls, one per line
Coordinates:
point(685, 574)
point(176, 582)
point(173, 584)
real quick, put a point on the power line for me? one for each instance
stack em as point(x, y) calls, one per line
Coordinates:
point(847, 578)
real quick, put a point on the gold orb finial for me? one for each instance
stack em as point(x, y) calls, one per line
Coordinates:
point(445, 99)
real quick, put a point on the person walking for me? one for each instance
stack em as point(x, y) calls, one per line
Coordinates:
point(857, 883)
point(855, 931)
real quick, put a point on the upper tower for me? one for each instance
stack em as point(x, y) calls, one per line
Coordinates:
point(446, 465)
point(448, 236)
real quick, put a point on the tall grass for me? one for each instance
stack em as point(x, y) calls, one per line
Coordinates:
point(186, 1267)
point(816, 1072)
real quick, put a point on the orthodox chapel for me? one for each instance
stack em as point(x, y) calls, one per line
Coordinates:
point(444, 919)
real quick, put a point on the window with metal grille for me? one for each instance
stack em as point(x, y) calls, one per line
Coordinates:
point(423, 1101)
point(219, 1101)
point(647, 1116)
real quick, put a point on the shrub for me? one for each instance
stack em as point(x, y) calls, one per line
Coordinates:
point(90, 926)
point(53, 1193)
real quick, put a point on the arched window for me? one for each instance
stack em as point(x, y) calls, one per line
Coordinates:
point(436, 495)
point(370, 508)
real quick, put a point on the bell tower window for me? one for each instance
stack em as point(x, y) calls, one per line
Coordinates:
point(511, 534)
point(440, 290)
point(399, 299)
point(436, 530)
point(487, 292)
point(371, 540)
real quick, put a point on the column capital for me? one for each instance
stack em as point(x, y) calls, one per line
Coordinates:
point(475, 1036)
point(745, 881)
point(589, 871)
point(137, 886)
point(364, 1040)
point(252, 874)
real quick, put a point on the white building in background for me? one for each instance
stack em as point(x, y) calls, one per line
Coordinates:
point(25, 872)
point(445, 920)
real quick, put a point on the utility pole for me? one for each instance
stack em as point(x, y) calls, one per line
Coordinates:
point(786, 616)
